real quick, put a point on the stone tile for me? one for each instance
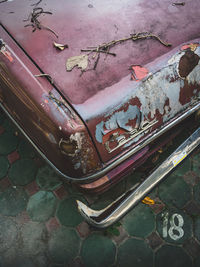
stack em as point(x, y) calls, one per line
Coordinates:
point(22, 172)
point(175, 192)
point(22, 261)
point(9, 126)
point(8, 233)
point(183, 168)
point(196, 262)
point(158, 206)
point(47, 179)
point(13, 201)
point(197, 228)
point(41, 206)
point(195, 163)
point(22, 218)
point(41, 260)
point(25, 150)
point(32, 188)
point(14, 156)
point(4, 184)
point(64, 245)
point(2, 116)
point(52, 224)
point(140, 221)
point(192, 208)
point(57, 265)
point(76, 263)
point(61, 192)
point(172, 256)
point(1, 130)
point(134, 252)
point(197, 193)
point(12, 259)
point(67, 213)
point(9, 257)
point(8, 143)
point(4, 165)
point(123, 235)
point(39, 161)
point(192, 247)
point(98, 249)
point(83, 229)
point(154, 240)
point(34, 237)
point(191, 178)
point(174, 226)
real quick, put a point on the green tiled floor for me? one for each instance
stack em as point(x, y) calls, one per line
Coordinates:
point(40, 224)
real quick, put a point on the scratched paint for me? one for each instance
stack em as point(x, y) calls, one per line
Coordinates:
point(83, 158)
point(194, 77)
point(161, 87)
point(197, 51)
point(118, 120)
point(93, 108)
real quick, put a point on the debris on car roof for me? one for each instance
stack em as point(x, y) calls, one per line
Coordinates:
point(60, 46)
point(139, 73)
point(105, 49)
point(35, 23)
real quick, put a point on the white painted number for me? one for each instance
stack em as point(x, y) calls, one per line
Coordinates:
point(175, 231)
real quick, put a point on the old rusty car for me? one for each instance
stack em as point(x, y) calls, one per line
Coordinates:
point(97, 87)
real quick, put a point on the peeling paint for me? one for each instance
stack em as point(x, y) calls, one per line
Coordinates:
point(197, 51)
point(194, 76)
point(157, 94)
point(119, 120)
point(83, 158)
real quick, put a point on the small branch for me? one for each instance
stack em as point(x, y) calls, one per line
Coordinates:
point(105, 47)
point(36, 4)
point(35, 23)
point(100, 51)
point(178, 4)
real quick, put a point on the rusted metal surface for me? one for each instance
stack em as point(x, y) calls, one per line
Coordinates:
point(44, 115)
point(146, 105)
point(119, 113)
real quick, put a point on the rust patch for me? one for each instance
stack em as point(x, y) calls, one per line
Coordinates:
point(187, 63)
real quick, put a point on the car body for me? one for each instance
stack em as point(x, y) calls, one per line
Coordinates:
point(97, 123)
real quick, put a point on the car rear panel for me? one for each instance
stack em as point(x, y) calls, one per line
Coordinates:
point(44, 115)
point(118, 112)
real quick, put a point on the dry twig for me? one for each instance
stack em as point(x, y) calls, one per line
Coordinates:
point(35, 23)
point(105, 47)
point(36, 4)
point(178, 4)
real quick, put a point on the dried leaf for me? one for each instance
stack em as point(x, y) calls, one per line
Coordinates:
point(148, 201)
point(139, 73)
point(192, 47)
point(79, 61)
point(60, 46)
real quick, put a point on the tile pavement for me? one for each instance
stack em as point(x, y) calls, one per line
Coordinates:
point(40, 225)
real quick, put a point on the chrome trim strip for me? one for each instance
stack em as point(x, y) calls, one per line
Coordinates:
point(116, 210)
point(114, 164)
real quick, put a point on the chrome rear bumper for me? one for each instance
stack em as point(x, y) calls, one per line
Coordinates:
point(116, 210)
